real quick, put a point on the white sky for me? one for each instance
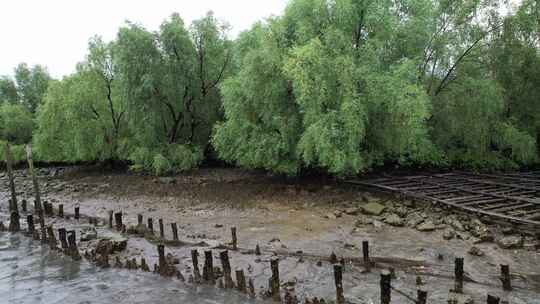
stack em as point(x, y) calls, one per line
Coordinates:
point(55, 33)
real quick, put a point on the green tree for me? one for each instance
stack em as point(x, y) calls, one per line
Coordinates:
point(16, 123)
point(8, 90)
point(32, 85)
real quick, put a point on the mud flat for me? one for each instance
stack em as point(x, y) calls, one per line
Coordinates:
point(300, 223)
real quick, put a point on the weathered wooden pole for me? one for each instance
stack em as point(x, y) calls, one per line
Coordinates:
point(14, 224)
point(365, 252)
point(240, 280)
point(23, 205)
point(144, 266)
point(458, 271)
point(386, 287)
point(150, 225)
point(492, 299)
point(338, 280)
point(77, 214)
point(72, 245)
point(37, 194)
point(42, 228)
point(225, 263)
point(111, 219)
point(234, 239)
point(118, 220)
point(139, 219)
point(257, 250)
point(161, 230)
point(251, 287)
point(9, 168)
point(30, 222)
point(52, 238)
point(274, 280)
point(62, 237)
point(421, 296)
point(163, 267)
point(174, 229)
point(208, 268)
point(61, 210)
point(505, 278)
point(195, 260)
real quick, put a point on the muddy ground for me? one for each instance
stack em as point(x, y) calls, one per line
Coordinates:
point(302, 221)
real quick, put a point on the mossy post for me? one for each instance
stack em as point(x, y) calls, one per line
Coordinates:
point(33, 175)
point(14, 223)
point(62, 235)
point(505, 278)
point(174, 229)
point(365, 251)
point(274, 280)
point(240, 280)
point(386, 287)
point(421, 297)
point(234, 239)
point(338, 280)
point(493, 299)
point(161, 229)
point(195, 260)
point(30, 223)
point(458, 272)
point(226, 265)
point(150, 225)
point(208, 268)
point(61, 210)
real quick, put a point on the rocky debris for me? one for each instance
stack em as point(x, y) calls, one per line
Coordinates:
point(330, 216)
point(394, 220)
point(475, 251)
point(455, 223)
point(414, 219)
point(448, 234)
point(337, 213)
point(481, 231)
point(402, 211)
point(352, 211)
point(88, 234)
point(510, 242)
point(106, 246)
point(373, 208)
point(426, 226)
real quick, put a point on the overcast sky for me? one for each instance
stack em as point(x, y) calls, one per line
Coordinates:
point(55, 33)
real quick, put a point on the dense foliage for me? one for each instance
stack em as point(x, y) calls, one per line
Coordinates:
point(342, 86)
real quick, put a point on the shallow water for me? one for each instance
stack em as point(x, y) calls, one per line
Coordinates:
point(31, 273)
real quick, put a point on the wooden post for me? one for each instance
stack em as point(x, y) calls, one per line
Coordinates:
point(225, 263)
point(161, 230)
point(240, 280)
point(110, 219)
point(139, 219)
point(42, 228)
point(23, 205)
point(458, 271)
point(505, 277)
point(195, 260)
point(61, 210)
point(33, 174)
point(163, 267)
point(492, 299)
point(365, 251)
point(150, 225)
point(208, 269)
point(52, 238)
point(62, 237)
point(9, 168)
point(338, 279)
point(30, 222)
point(257, 250)
point(251, 287)
point(174, 231)
point(421, 297)
point(234, 240)
point(14, 224)
point(118, 220)
point(386, 287)
point(72, 243)
point(77, 215)
point(144, 266)
point(274, 280)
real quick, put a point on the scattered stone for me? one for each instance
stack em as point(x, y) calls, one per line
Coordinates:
point(330, 216)
point(414, 219)
point(377, 224)
point(352, 211)
point(475, 251)
point(402, 211)
point(337, 213)
point(88, 234)
point(426, 226)
point(454, 222)
point(508, 230)
point(511, 242)
point(448, 234)
point(218, 226)
point(373, 208)
point(394, 220)
point(481, 231)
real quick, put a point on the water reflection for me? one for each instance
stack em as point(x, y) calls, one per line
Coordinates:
point(30, 273)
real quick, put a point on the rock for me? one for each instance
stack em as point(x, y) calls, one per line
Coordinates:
point(373, 208)
point(510, 242)
point(330, 216)
point(377, 224)
point(402, 211)
point(107, 246)
point(475, 251)
point(394, 220)
point(426, 226)
point(454, 222)
point(414, 219)
point(88, 234)
point(481, 231)
point(448, 234)
point(337, 213)
point(352, 211)
point(508, 230)
point(167, 180)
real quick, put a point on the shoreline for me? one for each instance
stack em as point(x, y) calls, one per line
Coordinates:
point(308, 217)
